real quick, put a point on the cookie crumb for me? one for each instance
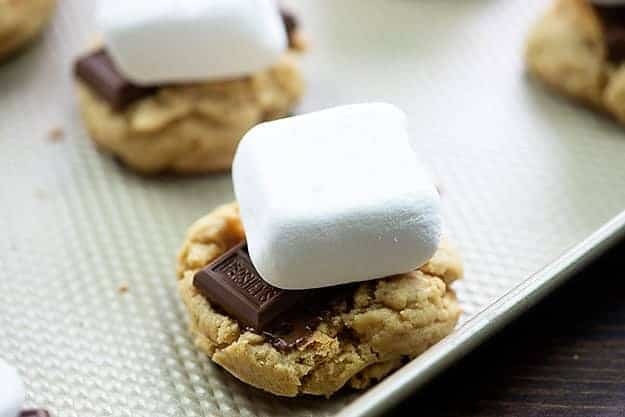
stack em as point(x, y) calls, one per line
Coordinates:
point(123, 288)
point(56, 134)
point(40, 194)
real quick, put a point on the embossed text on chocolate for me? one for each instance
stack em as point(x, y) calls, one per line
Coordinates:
point(232, 283)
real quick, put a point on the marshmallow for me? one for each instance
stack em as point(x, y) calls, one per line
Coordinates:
point(161, 41)
point(12, 392)
point(334, 197)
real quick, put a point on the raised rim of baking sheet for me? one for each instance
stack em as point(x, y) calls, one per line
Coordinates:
point(485, 323)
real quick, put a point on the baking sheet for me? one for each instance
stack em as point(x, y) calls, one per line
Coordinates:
point(524, 175)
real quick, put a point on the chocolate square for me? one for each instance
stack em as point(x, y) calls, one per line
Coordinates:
point(290, 25)
point(232, 283)
point(98, 71)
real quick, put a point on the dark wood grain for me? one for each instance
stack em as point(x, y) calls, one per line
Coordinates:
point(565, 358)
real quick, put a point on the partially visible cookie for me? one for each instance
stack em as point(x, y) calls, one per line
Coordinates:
point(576, 49)
point(381, 324)
point(21, 21)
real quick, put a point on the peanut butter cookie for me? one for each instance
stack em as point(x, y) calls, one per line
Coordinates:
point(191, 128)
point(378, 326)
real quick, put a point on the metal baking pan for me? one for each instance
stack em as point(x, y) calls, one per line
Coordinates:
point(532, 186)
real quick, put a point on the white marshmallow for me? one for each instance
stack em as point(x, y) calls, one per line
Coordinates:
point(335, 196)
point(12, 392)
point(161, 41)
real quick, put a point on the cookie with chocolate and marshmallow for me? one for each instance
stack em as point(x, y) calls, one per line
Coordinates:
point(330, 338)
point(330, 270)
point(21, 21)
point(578, 49)
point(176, 84)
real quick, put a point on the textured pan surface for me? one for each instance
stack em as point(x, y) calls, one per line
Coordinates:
point(524, 176)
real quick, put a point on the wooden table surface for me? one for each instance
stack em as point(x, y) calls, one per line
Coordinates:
point(565, 358)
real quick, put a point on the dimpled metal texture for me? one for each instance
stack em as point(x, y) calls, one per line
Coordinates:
point(89, 311)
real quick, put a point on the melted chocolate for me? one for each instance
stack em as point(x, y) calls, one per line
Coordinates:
point(285, 317)
point(613, 21)
point(295, 326)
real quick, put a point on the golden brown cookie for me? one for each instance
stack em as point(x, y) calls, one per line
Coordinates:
point(21, 21)
point(191, 128)
point(567, 50)
point(384, 323)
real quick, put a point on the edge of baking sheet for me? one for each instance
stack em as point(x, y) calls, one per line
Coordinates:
point(486, 323)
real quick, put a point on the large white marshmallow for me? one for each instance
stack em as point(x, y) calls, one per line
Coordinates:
point(162, 41)
point(11, 391)
point(334, 197)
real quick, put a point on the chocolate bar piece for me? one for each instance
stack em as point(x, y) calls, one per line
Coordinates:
point(232, 283)
point(34, 413)
point(613, 21)
point(98, 71)
point(290, 25)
